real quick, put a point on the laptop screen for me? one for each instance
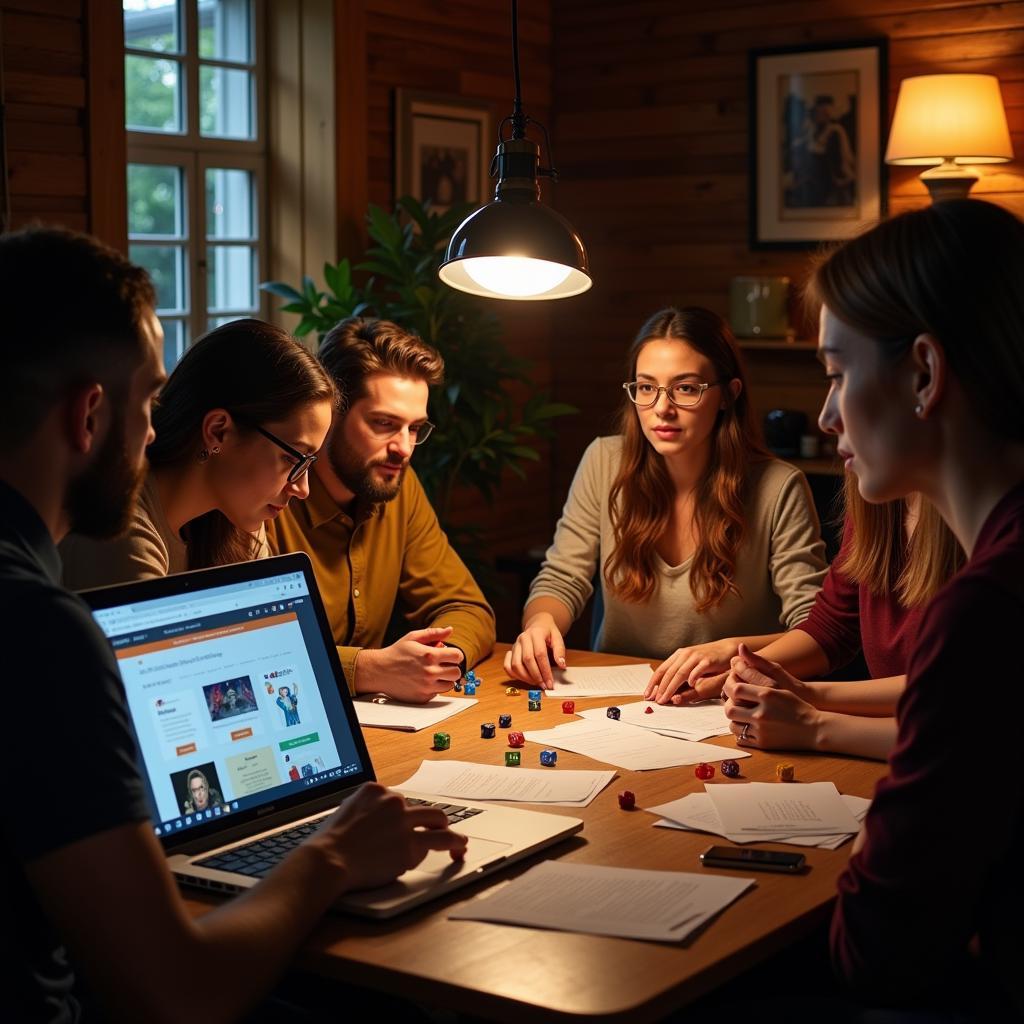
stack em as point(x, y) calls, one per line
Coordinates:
point(232, 693)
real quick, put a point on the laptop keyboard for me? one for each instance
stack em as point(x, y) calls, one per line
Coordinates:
point(261, 856)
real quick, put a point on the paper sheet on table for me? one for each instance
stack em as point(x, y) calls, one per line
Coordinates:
point(626, 746)
point(466, 780)
point(689, 722)
point(626, 902)
point(604, 681)
point(809, 808)
point(409, 717)
point(696, 813)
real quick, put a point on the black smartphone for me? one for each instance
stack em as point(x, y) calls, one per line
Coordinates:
point(747, 859)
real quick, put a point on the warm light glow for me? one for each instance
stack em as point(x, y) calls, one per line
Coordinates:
point(516, 276)
point(949, 117)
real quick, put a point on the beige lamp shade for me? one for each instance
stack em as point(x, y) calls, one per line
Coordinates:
point(952, 118)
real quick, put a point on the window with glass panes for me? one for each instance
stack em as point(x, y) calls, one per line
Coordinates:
point(196, 159)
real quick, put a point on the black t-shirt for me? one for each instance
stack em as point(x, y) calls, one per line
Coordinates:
point(69, 759)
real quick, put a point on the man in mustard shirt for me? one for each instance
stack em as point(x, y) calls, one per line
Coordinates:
point(370, 531)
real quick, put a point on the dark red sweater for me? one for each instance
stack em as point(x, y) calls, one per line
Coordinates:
point(847, 618)
point(944, 857)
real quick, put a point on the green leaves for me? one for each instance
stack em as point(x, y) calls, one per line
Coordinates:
point(480, 432)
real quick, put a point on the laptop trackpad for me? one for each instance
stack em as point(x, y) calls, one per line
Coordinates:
point(479, 851)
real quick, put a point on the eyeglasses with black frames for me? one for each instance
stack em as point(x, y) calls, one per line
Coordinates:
point(302, 461)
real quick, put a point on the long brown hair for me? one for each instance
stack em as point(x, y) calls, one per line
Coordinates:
point(260, 374)
point(641, 496)
point(880, 558)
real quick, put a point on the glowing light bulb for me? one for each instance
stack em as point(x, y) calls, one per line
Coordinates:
point(515, 276)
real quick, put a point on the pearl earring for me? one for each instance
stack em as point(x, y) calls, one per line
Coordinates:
point(919, 409)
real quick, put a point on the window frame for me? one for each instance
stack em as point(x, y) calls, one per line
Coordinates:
point(194, 153)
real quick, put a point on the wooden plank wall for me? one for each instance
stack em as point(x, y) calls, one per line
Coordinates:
point(459, 48)
point(651, 139)
point(45, 87)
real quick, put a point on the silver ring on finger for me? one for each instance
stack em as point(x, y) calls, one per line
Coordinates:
point(744, 732)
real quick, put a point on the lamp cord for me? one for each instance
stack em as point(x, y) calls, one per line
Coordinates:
point(519, 119)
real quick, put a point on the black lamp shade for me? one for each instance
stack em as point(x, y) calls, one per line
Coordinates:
point(516, 248)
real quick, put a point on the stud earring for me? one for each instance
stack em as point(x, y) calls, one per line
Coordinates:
point(205, 454)
point(919, 409)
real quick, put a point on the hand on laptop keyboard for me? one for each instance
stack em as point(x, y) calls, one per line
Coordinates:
point(375, 835)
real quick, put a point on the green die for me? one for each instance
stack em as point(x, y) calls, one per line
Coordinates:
point(512, 758)
point(442, 741)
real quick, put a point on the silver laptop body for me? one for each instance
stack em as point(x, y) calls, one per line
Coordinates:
point(247, 734)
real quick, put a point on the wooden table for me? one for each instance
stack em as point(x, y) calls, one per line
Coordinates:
point(522, 974)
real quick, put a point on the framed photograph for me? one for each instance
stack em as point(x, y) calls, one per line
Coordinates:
point(816, 126)
point(443, 148)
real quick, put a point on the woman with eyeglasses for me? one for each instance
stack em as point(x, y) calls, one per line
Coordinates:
point(238, 425)
point(694, 530)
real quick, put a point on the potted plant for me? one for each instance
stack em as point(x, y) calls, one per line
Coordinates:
point(480, 432)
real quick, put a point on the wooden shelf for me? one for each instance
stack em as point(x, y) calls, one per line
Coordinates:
point(777, 345)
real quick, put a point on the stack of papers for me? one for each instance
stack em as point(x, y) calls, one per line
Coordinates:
point(627, 746)
point(664, 906)
point(811, 814)
point(383, 713)
point(609, 681)
point(689, 722)
point(465, 780)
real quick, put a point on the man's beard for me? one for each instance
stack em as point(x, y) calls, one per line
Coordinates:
point(99, 503)
point(358, 476)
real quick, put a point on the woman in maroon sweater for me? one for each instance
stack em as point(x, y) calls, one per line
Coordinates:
point(922, 336)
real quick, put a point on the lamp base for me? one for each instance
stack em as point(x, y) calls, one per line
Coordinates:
point(948, 181)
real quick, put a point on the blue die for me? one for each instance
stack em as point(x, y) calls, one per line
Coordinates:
point(504, 721)
point(487, 731)
point(469, 689)
point(534, 694)
point(548, 758)
point(471, 677)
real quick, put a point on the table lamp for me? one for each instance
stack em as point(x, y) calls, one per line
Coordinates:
point(945, 122)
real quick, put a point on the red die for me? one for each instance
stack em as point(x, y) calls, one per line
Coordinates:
point(627, 800)
point(648, 710)
point(568, 707)
point(516, 739)
point(704, 771)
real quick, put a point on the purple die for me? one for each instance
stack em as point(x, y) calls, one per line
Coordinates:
point(487, 731)
point(504, 721)
point(614, 713)
point(731, 769)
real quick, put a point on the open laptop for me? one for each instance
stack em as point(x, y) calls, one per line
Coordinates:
point(248, 737)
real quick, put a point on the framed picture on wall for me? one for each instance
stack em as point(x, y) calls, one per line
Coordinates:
point(816, 125)
point(443, 148)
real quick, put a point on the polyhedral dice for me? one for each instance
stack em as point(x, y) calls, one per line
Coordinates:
point(615, 713)
point(649, 710)
point(785, 772)
point(511, 691)
point(458, 686)
point(568, 707)
point(704, 771)
point(548, 758)
point(534, 694)
point(516, 739)
point(487, 731)
point(469, 689)
point(512, 758)
point(533, 705)
point(442, 741)
point(731, 769)
point(627, 800)
point(504, 721)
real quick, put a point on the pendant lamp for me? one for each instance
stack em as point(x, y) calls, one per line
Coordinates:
point(515, 247)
